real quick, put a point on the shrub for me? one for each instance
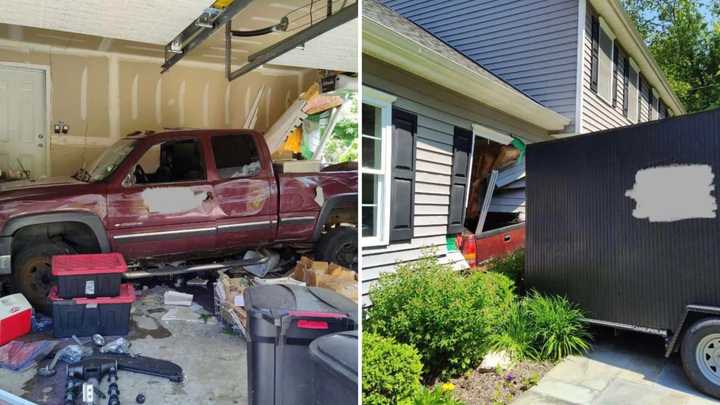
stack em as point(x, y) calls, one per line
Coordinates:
point(434, 396)
point(494, 296)
point(558, 324)
point(513, 266)
point(391, 370)
point(542, 327)
point(516, 335)
point(434, 308)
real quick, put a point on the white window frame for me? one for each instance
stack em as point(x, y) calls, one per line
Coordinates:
point(636, 68)
point(384, 102)
point(606, 28)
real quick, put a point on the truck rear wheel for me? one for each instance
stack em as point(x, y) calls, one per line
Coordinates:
point(339, 246)
point(32, 273)
point(700, 354)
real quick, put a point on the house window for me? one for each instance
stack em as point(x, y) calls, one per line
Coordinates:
point(605, 61)
point(633, 92)
point(376, 145)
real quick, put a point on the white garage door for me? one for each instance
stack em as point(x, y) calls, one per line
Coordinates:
point(23, 136)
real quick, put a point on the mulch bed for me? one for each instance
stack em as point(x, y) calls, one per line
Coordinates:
point(491, 387)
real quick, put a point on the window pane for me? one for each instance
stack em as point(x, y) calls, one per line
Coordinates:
point(171, 161)
point(235, 156)
point(372, 135)
point(370, 202)
point(605, 65)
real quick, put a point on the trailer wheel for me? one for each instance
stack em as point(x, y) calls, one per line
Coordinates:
point(700, 354)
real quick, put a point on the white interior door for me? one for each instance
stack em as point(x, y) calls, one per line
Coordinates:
point(23, 135)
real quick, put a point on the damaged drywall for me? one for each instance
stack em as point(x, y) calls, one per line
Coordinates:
point(674, 193)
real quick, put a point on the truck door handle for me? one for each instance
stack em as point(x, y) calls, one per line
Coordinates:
point(209, 196)
point(506, 238)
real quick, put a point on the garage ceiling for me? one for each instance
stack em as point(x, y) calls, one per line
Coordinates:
point(144, 27)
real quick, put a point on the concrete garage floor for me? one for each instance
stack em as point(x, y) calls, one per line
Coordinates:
point(213, 360)
point(626, 369)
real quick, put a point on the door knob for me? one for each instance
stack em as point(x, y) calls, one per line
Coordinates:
point(41, 136)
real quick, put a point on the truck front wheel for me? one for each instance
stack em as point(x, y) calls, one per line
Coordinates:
point(32, 273)
point(340, 246)
point(700, 354)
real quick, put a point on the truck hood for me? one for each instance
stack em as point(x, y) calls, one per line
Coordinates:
point(19, 185)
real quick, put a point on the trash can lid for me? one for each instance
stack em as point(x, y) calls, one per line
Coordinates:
point(339, 352)
point(279, 298)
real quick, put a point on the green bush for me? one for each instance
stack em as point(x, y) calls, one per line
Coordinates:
point(391, 370)
point(446, 316)
point(433, 396)
point(558, 324)
point(542, 328)
point(513, 266)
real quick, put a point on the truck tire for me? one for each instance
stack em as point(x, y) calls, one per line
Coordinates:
point(32, 273)
point(339, 246)
point(700, 354)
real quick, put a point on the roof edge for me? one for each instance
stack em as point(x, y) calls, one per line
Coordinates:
point(386, 44)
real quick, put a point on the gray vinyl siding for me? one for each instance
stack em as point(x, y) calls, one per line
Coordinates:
point(598, 114)
point(531, 44)
point(437, 112)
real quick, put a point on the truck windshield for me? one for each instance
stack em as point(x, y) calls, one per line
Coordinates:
point(113, 156)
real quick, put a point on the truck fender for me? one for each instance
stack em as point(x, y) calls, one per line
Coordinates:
point(692, 314)
point(338, 200)
point(87, 218)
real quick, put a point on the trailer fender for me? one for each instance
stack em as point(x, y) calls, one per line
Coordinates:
point(692, 314)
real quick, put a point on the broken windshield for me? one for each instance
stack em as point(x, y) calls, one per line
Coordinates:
point(109, 161)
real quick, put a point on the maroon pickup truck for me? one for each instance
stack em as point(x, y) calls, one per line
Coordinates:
point(175, 197)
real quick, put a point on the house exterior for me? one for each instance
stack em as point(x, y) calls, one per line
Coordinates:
point(424, 105)
point(581, 58)
point(441, 77)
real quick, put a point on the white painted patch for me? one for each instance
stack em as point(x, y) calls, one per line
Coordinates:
point(135, 95)
point(673, 193)
point(83, 93)
point(158, 101)
point(172, 200)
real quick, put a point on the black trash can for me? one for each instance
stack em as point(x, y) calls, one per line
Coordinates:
point(335, 368)
point(282, 322)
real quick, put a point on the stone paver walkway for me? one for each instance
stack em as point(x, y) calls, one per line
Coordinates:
point(628, 369)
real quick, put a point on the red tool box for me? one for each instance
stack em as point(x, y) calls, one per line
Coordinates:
point(108, 316)
point(15, 317)
point(91, 275)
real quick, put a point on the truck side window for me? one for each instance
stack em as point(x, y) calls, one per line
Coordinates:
point(235, 156)
point(171, 161)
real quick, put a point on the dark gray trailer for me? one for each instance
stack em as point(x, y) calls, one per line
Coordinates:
point(624, 222)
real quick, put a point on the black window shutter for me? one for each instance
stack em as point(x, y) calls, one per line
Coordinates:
point(402, 176)
point(616, 63)
point(641, 89)
point(461, 158)
point(651, 102)
point(626, 85)
point(595, 28)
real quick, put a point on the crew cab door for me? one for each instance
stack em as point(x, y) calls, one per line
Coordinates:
point(245, 190)
point(164, 205)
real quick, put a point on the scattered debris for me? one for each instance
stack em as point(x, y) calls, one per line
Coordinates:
point(327, 275)
point(18, 356)
point(177, 298)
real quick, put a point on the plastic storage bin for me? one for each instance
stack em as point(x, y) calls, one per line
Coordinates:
point(108, 316)
point(335, 368)
point(282, 321)
point(15, 317)
point(92, 275)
